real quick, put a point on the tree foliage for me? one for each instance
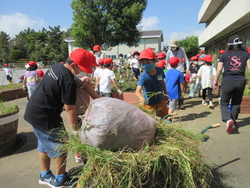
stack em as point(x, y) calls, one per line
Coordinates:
point(4, 50)
point(45, 45)
point(191, 45)
point(106, 22)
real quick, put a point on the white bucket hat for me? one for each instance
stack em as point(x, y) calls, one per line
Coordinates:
point(174, 43)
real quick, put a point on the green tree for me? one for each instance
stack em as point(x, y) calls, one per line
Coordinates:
point(106, 22)
point(4, 50)
point(16, 55)
point(191, 45)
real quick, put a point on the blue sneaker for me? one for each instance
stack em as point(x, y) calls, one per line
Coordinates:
point(67, 182)
point(47, 179)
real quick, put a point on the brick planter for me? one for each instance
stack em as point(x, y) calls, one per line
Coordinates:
point(130, 98)
point(245, 105)
point(8, 132)
point(12, 94)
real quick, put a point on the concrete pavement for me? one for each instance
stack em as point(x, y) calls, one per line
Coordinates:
point(228, 154)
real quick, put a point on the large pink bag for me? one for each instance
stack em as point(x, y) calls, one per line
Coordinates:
point(113, 124)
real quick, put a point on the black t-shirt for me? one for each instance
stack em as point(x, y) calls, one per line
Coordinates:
point(234, 63)
point(57, 88)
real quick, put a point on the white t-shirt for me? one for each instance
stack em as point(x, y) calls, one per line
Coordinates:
point(98, 57)
point(135, 63)
point(206, 74)
point(8, 71)
point(97, 72)
point(106, 80)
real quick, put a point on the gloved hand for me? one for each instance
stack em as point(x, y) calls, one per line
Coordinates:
point(96, 89)
point(215, 83)
point(119, 91)
point(25, 88)
point(75, 132)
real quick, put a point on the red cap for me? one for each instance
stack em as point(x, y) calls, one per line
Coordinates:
point(136, 52)
point(83, 59)
point(187, 78)
point(93, 59)
point(40, 73)
point(101, 61)
point(147, 54)
point(161, 55)
point(31, 63)
point(161, 63)
point(198, 55)
point(194, 58)
point(174, 61)
point(248, 49)
point(222, 51)
point(6, 64)
point(108, 60)
point(202, 51)
point(96, 48)
point(208, 58)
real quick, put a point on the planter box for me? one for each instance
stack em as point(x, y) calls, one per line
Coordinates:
point(245, 105)
point(12, 94)
point(130, 98)
point(8, 132)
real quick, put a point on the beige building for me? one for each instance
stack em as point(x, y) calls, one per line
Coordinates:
point(151, 39)
point(224, 18)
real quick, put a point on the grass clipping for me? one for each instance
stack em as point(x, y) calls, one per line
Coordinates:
point(172, 161)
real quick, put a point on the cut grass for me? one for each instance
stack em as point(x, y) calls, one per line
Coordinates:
point(10, 87)
point(172, 161)
point(7, 109)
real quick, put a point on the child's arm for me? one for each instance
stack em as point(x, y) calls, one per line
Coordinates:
point(116, 86)
point(96, 83)
point(138, 94)
point(164, 86)
point(182, 87)
point(90, 90)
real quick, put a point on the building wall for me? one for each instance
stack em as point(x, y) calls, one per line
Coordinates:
point(229, 18)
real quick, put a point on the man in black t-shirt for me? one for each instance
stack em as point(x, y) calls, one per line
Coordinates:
point(234, 62)
point(57, 91)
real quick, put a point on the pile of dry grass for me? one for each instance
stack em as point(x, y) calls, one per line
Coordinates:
point(172, 161)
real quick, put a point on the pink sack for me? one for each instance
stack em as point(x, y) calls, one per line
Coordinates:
point(113, 124)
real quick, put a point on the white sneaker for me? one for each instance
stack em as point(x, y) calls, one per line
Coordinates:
point(204, 102)
point(211, 105)
point(78, 158)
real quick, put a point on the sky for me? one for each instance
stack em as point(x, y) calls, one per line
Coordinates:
point(176, 18)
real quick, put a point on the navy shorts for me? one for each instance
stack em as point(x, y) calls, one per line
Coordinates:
point(136, 72)
point(50, 141)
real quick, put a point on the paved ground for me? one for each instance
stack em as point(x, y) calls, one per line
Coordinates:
point(228, 154)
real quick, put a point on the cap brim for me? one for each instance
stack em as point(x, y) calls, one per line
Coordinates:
point(85, 69)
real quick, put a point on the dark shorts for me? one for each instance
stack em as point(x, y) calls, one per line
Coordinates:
point(9, 77)
point(106, 94)
point(136, 72)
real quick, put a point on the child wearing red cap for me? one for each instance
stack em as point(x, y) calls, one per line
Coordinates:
point(98, 53)
point(206, 75)
point(55, 92)
point(162, 61)
point(152, 83)
point(135, 65)
point(174, 83)
point(8, 73)
point(97, 73)
point(31, 78)
point(106, 78)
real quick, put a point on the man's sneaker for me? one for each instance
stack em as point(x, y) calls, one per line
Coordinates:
point(230, 126)
point(211, 105)
point(47, 179)
point(204, 102)
point(67, 182)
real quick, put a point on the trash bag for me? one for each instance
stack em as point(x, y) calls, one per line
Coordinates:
point(114, 125)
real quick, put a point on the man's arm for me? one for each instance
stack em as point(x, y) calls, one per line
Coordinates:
point(71, 116)
point(219, 70)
